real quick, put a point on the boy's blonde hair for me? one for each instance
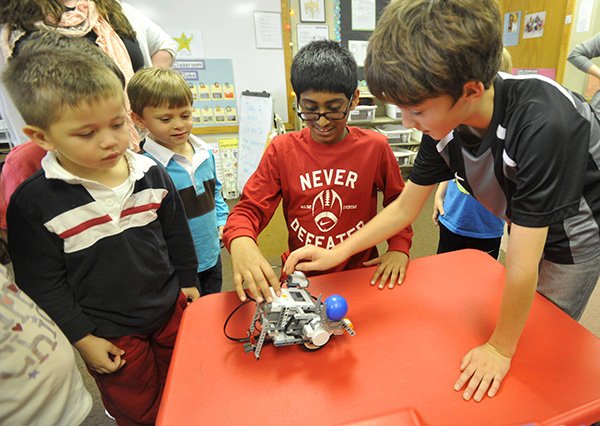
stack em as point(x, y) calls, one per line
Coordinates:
point(506, 64)
point(43, 82)
point(158, 87)
point(423, 49)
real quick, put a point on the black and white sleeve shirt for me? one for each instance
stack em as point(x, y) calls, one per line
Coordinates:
point(537, 165)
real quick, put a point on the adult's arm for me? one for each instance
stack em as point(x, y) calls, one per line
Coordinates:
point(158, 47)
point(581, 56)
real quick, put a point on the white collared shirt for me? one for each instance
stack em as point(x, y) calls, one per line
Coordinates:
point(163, 155)
point(112, 198)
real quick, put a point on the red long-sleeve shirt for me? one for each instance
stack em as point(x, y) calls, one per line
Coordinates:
point(328, 191)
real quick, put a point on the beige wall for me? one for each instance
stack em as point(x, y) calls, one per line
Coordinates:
point(575, 79)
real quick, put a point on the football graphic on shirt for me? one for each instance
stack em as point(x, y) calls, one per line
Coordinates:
point(326, 209)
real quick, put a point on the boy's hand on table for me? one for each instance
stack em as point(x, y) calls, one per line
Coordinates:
point(100, 355)
point(251, 268)
point(483, 368)
point(392, 268)
point(191, 294)
point(312, 258)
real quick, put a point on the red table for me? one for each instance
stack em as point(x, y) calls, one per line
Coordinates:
point(398, 369)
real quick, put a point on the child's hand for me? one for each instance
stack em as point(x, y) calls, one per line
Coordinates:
point(438, 202)
point(99, 354)
point(317, 259)
point(191, 294)
point(438, 209)
point(483, 368)
point(251, 268)
point(220, 229)
point(392, 267)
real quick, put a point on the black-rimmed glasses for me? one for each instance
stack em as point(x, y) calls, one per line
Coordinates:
point(329, 115)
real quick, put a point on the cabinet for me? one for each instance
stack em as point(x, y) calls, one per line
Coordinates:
point(371, 113)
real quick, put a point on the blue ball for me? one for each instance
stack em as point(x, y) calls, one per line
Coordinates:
point(336, 307)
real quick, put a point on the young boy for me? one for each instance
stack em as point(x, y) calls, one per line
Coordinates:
point(537, 162)
point(25, 159)
point(161, 102)
point(327, 175)
point(98, 237)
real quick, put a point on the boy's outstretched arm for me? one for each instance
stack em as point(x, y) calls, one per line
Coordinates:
point(485, 366)
point(396, 216)
point(250, 267)
point(99, 354)
point(391, 266)
point(259, 200)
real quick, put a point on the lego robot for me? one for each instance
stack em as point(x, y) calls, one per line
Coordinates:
point(296, 317)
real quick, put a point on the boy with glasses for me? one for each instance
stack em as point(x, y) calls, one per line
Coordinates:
point(327, 176)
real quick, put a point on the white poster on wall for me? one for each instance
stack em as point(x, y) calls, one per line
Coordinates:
point(363, 15)
point(358, 48)
point(584, 19)
point(267, 29)
point(308, 33)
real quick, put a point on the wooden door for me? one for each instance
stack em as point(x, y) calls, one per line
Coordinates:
point(550, 50)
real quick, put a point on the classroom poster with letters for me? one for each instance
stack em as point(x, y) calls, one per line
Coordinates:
point(363, 15)
point(211, 83)
point(267, 30)
point(307, 33)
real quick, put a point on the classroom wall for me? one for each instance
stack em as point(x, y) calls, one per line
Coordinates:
point(228, 32)
point(295, 20)
point(575, 79)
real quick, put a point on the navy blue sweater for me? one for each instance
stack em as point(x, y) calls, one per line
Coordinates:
point(93, 273)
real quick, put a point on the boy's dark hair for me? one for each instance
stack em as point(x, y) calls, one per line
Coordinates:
point(324, 66)
point(424, 49)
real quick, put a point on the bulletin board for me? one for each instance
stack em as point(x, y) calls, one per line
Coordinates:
point(227, 28)
point(346, 31)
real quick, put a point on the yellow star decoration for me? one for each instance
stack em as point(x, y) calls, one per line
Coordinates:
point(184, 42)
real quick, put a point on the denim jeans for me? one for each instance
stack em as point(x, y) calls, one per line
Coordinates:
point(569, 286)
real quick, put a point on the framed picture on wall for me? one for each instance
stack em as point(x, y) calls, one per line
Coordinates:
point(312, 10)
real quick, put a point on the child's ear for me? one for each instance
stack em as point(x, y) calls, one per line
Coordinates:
point(473, 89)
point(137, 119)
point(39, 136)
point(355, 98)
